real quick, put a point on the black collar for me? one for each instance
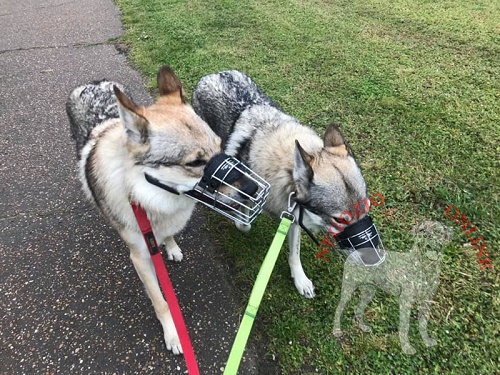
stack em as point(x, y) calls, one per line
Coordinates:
point(156, 182)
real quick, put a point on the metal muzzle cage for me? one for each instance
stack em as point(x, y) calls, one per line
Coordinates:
point(361, 243)
point(232, 189)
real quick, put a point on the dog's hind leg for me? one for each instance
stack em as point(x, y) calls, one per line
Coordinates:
point(173, 250)
point(348, 287)
point(423, 313)
point(301, 281)
point(145, 269)
point(367, 292)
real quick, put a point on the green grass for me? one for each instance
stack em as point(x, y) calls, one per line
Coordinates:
point(415, 86)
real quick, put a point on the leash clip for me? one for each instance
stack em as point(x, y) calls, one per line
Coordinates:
point(289, 211)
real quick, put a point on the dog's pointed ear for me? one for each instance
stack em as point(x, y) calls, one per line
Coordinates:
point(135, 123)
point(170, 86)
point(334, 141)
point(302, 171)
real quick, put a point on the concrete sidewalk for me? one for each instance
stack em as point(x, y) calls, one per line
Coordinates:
point(71, 301)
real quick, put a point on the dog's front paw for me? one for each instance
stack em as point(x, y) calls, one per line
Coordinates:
point(170, 336)
point(304, 286)
point(245, 228)
point(174, 253)
point(430, 342)
point(408, 349)
point(172, 342)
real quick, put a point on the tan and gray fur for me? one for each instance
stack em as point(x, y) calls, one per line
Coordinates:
point(117, 143)
point(412, 276)
point(291, 157)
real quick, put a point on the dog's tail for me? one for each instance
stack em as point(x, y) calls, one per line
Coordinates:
point(88, 106)
point(219, 99)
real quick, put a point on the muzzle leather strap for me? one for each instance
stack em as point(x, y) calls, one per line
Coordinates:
point(166, 286)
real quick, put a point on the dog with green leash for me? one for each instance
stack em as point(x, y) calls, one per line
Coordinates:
point(321, 172)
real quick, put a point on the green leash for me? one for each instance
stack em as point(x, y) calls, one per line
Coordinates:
point(233, 363)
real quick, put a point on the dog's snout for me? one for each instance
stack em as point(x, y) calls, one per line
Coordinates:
point(248, 187)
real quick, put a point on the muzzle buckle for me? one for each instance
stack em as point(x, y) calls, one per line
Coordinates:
point(291, 207)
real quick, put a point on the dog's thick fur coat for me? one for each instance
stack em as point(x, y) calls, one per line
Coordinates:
point(118, 142)
point(292, 158)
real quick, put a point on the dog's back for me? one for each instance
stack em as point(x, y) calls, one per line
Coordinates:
point(89, 106)
point(219, 99)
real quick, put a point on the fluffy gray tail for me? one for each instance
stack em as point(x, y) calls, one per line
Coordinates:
point(219, 99)
point(87, 107)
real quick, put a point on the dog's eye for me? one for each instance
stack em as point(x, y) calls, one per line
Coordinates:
point(196, 163)
point(156, 164)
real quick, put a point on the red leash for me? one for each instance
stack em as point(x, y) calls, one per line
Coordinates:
point(166, 286)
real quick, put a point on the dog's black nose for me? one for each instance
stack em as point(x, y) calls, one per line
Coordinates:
point(248, 187)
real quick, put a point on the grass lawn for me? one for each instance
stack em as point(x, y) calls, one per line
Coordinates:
point(415, 87)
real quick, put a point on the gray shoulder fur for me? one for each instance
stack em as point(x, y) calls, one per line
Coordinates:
point(234, 92)
point(89, 106)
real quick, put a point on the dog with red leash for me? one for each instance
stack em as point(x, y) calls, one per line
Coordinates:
point(157, 157)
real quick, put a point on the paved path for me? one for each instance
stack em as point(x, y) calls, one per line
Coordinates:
point(71, 302)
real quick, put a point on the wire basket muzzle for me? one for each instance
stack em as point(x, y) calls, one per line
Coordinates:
point(232, 189)
point(361, 243)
